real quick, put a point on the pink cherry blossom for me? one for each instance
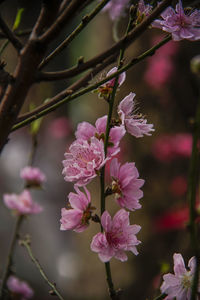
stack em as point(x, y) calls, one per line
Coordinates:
point(135, 124)
point(179, 24)
point(86, 131)
point(84, 160)
point(179, 284)
point(116, 8)
point(77, 216)
point(22, 203)
point(126, 185)
point(106, 89)
point(20, 288)
point(143, 10)
point(33, 176)
point(119, 236)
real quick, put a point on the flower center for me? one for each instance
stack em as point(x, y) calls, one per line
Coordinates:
point(116, 188)
point(186, 280)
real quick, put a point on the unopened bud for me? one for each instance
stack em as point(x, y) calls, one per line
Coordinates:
point(195, 65)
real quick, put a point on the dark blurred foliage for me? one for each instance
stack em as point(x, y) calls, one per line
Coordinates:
point(66, 256)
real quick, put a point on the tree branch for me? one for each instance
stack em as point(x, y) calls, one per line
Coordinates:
point(61, 21)
point(71, 89)
point(24, 76)
point(85, 21)
point(124, 42)
point(26, 244)
point(10, 35)
point(55, 103)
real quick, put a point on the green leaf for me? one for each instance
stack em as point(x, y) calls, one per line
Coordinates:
point(18, 18)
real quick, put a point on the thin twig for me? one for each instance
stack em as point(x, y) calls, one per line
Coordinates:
point(10, 35)
point(160, 297)
point(124, 42)
point(53, 105)
point(10, 255)
point(26, 244)
point(192, 188)
point(61, 21)
point(85, 21)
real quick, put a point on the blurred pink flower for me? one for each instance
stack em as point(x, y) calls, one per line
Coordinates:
point(126, 185)
point(86, 131)
point(119, 236)
point(20, 288)
point(77, 216)
point(60, 128)
point(179, 24)
point(32, 176)
point(169, 147)
point(178, 285)
point(178, 186)
point(22, 203)
point(160, 66)
point(172, 220)
point(135, 124)
point(106, 89)
point(83, 161)
point(116, 8)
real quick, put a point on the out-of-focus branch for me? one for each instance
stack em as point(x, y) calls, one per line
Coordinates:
point(124, 42)
point(10, 35)
point(63, 5)
point(85, 21)
point(55, 103)
point(26, 244)
point(10, 255)
point(19, 33)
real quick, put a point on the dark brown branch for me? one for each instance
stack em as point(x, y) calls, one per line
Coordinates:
point(85, 21)
point(124, 42)
point(10, 35)
point(61, 21)
point(19, 33)
point(24, 76)
point(71, 89)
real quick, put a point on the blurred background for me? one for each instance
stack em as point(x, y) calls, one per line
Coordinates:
point(167, 95)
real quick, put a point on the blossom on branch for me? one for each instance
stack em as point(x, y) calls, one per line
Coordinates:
point(34, 177)
point(22, 203)
point(106, 89)
point(19, 288)
point(178, 285)
point(79, 212)
point(179, 24)
point(135, 124)
point(116, 8)
point(83, 161)
point(126, 185)
point(143, 11)
point(119, 236)
point(86, 131)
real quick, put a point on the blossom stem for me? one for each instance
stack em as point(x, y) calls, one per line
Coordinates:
point(160, 297)
point(192, 187)
point(49, 107)
point(10, 255)
point(26, 244)
point(112, 292)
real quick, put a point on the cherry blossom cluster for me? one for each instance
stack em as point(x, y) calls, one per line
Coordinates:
point(179, 23)
point(23, 204)
point(84, 161)
point(179, 285)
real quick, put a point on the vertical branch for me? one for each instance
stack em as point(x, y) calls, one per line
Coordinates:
point(10, 255)
point(192, 188)
point(113, 294)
